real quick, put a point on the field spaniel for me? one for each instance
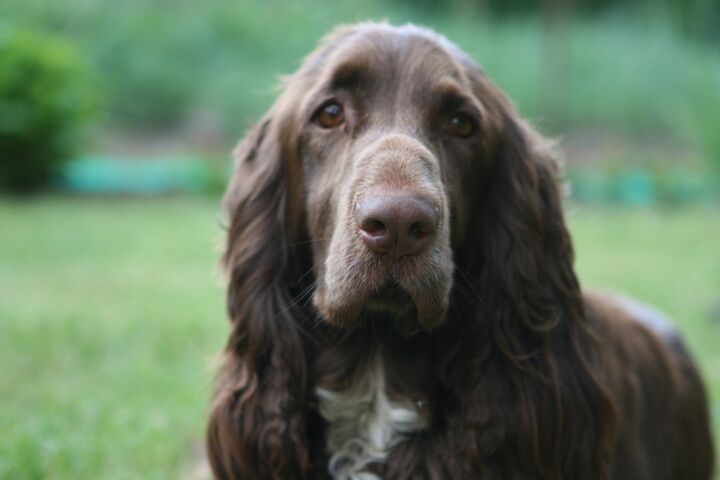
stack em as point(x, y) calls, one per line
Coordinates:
point(402, 293)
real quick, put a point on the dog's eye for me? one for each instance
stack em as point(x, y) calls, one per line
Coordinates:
point(461, 125)
point(330, 115)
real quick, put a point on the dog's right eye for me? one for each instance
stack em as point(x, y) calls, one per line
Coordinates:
point(330, 115)
point(461, 125)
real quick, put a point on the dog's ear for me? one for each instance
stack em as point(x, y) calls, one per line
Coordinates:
point(519, 257)
point(257, 425)
point(525, 250)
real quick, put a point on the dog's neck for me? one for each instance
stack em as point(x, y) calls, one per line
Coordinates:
point(372, 393)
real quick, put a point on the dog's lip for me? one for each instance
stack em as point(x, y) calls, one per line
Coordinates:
point(408, 292)
point(391, 297)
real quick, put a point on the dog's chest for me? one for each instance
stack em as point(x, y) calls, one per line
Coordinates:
point(364, 424)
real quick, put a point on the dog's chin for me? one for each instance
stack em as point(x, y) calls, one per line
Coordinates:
point(392, 301)
point(390, 306)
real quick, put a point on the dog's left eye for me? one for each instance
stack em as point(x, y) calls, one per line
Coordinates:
point(461, 125)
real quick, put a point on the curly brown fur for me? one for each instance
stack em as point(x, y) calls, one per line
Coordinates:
point(503, 367)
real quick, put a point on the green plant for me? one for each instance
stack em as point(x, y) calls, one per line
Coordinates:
point(45, 100)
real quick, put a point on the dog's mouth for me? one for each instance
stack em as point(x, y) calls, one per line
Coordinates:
point(393, 300)
point(413, 292)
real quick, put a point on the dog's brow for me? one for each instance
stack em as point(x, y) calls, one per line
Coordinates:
point(449, 94)
point(350, 72)
point(448, 87)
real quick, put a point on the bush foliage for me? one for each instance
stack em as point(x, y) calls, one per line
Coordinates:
point(610, 65)
point(45, 99)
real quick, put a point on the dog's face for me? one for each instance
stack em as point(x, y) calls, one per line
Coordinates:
point(390, 135)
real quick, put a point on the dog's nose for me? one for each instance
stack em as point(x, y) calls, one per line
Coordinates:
point(400, 224)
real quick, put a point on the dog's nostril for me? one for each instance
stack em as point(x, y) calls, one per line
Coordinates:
point(375, 234)
point(373, 227)
point(418, 231)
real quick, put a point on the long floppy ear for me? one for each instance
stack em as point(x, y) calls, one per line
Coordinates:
point(519, 258)
point(257, 425)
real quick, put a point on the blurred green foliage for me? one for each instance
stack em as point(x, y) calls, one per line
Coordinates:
point(698, 18)
point(643, 68)
point(45, 98)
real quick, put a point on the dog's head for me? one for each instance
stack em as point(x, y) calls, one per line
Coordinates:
point(384, 139)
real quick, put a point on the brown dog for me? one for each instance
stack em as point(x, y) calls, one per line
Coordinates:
point(403, 299)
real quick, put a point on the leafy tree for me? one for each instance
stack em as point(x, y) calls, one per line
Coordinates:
point(46, 97)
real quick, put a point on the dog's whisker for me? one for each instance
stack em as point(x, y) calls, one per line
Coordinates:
point(469, 284)
point(309, 241)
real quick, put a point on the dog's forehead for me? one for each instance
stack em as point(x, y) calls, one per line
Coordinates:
point(384, 52)
point(411, 30)
point(410, 34)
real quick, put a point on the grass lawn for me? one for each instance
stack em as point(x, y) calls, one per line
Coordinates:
point(111, 311)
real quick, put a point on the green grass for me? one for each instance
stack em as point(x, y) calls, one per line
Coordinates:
point(669, 258)
point(111, 311)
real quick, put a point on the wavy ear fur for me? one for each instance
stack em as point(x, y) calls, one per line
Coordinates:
point(546, 400)
point(257, 427)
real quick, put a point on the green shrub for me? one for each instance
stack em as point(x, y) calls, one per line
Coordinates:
point(45, 100)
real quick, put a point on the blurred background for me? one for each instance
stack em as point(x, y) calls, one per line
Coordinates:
point(116, 123)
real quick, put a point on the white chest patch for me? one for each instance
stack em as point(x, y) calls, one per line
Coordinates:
point(364, 424)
